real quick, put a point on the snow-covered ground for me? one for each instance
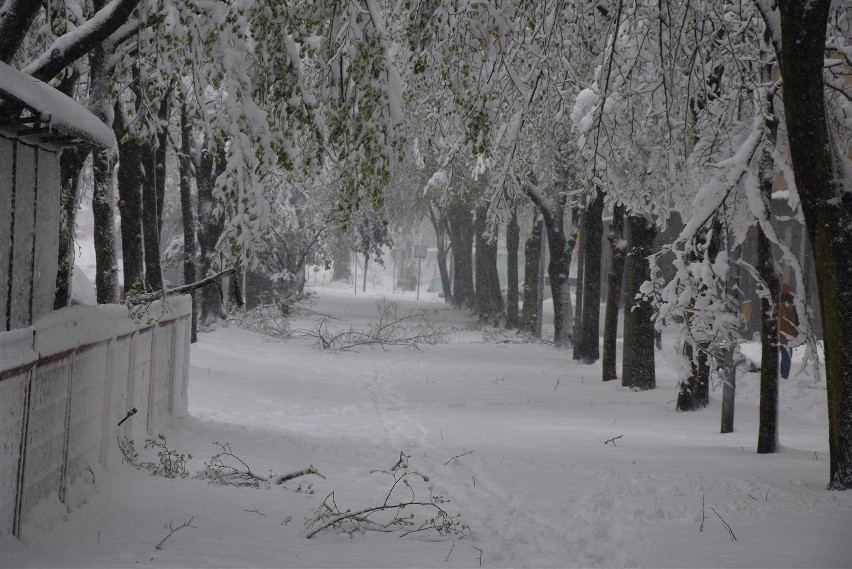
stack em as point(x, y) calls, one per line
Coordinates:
point(539, 488)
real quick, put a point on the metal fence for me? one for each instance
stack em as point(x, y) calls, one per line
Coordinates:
point(67, 381)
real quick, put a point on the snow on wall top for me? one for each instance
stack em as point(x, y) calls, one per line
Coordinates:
point(54, 108)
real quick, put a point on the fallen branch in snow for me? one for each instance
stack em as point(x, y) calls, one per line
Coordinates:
point(612, 440)
point(228, 469)
point(414, 498)
point(727, 527)
point(458, 456)
point(186, 524)
point(391, 329)
point(282, 478)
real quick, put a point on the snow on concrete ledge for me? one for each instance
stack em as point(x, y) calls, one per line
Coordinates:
point(55, 109)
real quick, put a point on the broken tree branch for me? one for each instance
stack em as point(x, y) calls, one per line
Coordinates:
point(152, 296)
point(612, 440)
point(186, 524)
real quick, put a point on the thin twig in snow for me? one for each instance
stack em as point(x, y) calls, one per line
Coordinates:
point(727, 527)
point(458, 456)
point(186, 524)
point(612, 440)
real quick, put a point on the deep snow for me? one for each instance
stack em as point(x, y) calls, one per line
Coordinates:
point(539, 489)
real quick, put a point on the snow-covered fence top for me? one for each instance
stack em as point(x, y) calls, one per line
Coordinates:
point(36, 122)
point(65, 384)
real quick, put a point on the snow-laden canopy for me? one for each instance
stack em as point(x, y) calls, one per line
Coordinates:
point(56, 110)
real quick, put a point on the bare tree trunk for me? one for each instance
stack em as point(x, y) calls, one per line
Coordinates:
point(130, 204)
point(513, 241)
point(366, 263)
point(190, 240)
point(532, 254)
point(638, 361)
point(588, 342)
point(103, 162)
point(150, 218)
point(439, 223)
point(489, 301)
point(823, 189)
point(341, 262)
point(210, 165)
point(161, 155)
point(461, 237)
point(578, 287)
point(694, 391)
point(613, 293)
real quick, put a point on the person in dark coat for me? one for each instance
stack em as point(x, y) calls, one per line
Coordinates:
point(788, 327)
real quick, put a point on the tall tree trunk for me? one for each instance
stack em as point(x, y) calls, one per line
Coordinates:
point(70, 164)
point(561, 249)
point(210, 165)
point(578, 288)
point(161, 155)
point(103, 162)
point(342, 262)
point(150, 218)
point(439, 223)
point(767, 434)
point(638, 360)
point(588, 342)
point(130, 203)
point(190, 240)
point(103, 210)
point(613, 293)
point(461, 238)
point(366, 263)
point(489, 300)
point(694, 391)
point(532, 253)
point(824, 191)
point(513, 241)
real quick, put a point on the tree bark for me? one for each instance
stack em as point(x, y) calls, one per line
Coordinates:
point(342, 262)
point(694, 391)
point(489, 300)
point(826, 200)
point(17, 17)
point(150, 217)
point(161, 155)
point(103, 163)
point(578, 287)
point(461, 238)
point(561, 249)
point(210, 165)
point(613, 293)
point(513, 241)
point(638, 359)
point(366, 263)
point(190, 240)
point(439, 223)
point(767, 433)
point(588, 342)
point(532, 254)
point(130, 204)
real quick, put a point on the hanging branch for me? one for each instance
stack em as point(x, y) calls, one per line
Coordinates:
point(152, 296)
